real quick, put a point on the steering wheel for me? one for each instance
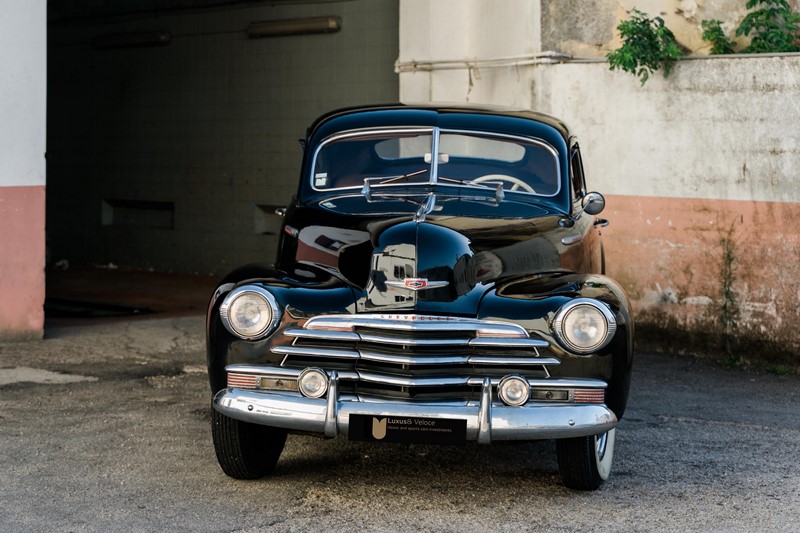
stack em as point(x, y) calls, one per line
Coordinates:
point(517, 183)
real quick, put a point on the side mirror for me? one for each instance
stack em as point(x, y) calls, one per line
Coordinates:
point(593, 203)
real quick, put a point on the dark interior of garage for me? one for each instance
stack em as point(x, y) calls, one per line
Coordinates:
point(172, 135)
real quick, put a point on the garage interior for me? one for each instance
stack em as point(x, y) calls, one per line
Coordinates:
point(172, 136)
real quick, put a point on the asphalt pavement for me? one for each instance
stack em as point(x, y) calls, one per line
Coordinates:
point(105, 427)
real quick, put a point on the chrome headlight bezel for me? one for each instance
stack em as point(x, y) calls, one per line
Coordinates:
point(229, 304)
point(579, 304)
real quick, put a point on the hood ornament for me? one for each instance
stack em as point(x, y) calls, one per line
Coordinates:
point(417, 284)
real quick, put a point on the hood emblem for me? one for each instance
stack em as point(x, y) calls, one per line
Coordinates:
point(417, 284)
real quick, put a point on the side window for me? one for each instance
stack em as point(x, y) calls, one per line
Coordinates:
point(576, 173)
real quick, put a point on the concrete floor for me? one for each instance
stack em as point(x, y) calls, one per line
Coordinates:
point(97, 295)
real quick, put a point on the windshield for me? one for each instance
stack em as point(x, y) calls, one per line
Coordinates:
point(517, 164)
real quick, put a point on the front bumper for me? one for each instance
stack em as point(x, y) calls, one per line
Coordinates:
point(486, 420)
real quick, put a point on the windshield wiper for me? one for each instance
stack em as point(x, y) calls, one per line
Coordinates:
point(387, 180)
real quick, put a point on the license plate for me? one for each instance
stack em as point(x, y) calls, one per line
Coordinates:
point(407, 429)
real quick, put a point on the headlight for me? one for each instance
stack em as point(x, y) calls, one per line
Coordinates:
point(584, 325)
point(250, 312)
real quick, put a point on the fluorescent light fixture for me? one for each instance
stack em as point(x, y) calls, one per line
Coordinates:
point(132, 40)
point(277, 28)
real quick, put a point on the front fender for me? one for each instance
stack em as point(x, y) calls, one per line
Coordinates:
point(533, 302)
point(298, 300)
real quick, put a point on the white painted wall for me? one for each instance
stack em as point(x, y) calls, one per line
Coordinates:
point(706, 159)
point(468, 30)
point(717, 128)
point(23, 92)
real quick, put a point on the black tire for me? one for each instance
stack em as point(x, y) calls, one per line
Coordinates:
point(244, 450)
point(585, 462)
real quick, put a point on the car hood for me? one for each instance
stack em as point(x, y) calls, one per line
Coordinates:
point(442, 264)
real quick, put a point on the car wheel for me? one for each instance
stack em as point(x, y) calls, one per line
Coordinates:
point(585, 462)
point(244, 450)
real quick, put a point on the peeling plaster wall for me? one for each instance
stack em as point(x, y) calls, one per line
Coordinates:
point(708, 155)
point(588, 27)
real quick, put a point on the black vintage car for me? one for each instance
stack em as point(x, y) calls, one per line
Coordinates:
point(439, 279)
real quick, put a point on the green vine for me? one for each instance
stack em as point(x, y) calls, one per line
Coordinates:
point(729, 304)
point(713, 33)
point(647, 46)
point(774, 27)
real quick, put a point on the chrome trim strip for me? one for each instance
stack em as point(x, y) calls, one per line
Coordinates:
point(400, 381)
point(527, 422)
point(262, 370)
point(490, 342)
point(570, 383)
point(433, 177)
point(456, 359)
point(572, 239)
point(280, 372)
point(323, 335)
point(414, 360)
point(299, 351)
point(314, 352)
point(524, 361)
point(380, 339)
point(472, 381)
point(414, 322)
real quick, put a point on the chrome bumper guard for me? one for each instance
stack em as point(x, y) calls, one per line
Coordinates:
point(486, 420)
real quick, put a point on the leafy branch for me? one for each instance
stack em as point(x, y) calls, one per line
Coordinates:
point(647, 46)
point(775, 27)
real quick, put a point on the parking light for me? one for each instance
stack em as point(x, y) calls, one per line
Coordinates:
point(313, 383)
point(514, 390)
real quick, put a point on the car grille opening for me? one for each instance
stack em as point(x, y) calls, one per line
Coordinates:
point(415, 356)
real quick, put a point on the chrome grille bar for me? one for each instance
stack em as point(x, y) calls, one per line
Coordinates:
point(312, 351)
point(323, 335)
point(481, 328)
point(504, 342)
point(477, 342)
point(402, 341)
point(397, 350)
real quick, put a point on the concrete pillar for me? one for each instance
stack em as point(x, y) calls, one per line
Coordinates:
point(462, 48)
point(23, 90)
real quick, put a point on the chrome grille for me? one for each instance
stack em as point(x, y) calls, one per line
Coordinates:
point(414, 354)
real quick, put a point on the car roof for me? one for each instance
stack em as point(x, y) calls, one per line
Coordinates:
point(449, 108)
